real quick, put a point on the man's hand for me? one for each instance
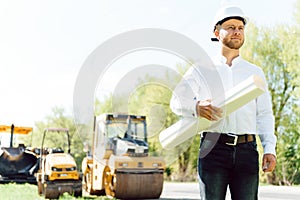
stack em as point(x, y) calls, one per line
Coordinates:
point(268, 162)
point(206, 110)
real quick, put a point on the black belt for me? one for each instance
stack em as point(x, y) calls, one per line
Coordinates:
point(229, 138)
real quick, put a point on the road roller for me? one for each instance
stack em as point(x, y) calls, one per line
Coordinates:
point(118, 163)
point(58, 172)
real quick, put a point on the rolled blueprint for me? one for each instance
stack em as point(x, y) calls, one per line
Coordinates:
point(235, 98)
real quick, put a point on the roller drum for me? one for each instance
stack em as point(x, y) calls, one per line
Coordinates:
point(136, 184)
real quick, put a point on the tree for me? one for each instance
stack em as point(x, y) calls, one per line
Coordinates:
point(276, 50)
point(59, 119)
point(151, 97)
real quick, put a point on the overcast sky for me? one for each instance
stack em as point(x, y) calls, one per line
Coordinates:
point(44, 43)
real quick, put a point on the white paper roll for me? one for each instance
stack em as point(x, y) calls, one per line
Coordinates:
point(235, 98)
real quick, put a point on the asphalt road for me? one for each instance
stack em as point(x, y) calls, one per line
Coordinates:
point(190, 191)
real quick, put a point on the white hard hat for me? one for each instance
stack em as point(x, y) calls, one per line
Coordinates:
point(229, 12)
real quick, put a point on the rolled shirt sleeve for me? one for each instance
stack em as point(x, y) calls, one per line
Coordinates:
point(188, 92)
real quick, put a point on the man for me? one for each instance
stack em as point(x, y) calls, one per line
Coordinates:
point(232, 157)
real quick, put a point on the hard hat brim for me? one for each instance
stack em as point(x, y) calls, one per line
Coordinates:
point(214, 39)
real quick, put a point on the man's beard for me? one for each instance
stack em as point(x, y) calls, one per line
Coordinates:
point(233, 45)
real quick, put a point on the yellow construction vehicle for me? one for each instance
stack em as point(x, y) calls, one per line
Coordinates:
point(58, 171)
point(118, 164)
point(17, 164)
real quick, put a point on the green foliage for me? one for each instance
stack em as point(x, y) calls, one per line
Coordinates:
point(288, 148)
point(59, 119)
point(276, 50)
point(151, 97)
point(168, 171)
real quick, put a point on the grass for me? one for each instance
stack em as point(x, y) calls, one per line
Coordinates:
point(13, 191)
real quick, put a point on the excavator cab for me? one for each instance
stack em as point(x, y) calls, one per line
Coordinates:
point(127, 136)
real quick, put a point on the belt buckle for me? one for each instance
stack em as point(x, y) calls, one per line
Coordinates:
point(234, 141)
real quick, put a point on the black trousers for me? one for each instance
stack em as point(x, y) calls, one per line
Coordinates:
point(221, 165)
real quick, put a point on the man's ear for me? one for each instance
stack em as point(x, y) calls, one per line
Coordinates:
point(217, 34)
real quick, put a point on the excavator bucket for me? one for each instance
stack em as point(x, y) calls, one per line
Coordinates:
point(17, 164)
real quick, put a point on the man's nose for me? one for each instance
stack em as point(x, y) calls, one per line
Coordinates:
point(237, 31)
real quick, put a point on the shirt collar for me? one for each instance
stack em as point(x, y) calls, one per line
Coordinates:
point(235, 61)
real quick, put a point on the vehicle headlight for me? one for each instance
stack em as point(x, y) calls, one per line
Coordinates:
point(139, 150)
point(156, 164)
point(123, 164)
point(71, 168)
point(54, 169)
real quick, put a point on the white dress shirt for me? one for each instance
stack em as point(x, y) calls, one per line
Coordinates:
point(256, 117)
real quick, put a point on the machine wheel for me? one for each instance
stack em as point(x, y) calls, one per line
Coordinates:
point(40, 187)
point(144, 185)
point(39, 184)
point(110, 182)
point(51, 194)
point(78, 194)
point(84, 184)
point(87, 183)
point(87, 186)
